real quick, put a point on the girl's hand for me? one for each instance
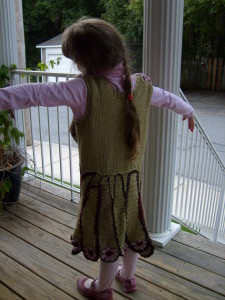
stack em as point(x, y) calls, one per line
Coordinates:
point(191, 123)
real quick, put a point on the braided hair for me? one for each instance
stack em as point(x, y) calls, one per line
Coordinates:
point(132, 130)
point(97, 46)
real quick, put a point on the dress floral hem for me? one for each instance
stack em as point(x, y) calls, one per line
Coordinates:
point(111, 217)
point(111, 255)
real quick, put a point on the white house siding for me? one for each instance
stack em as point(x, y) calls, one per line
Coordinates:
point(66, 65)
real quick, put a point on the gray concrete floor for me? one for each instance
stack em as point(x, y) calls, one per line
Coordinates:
point(210, 110)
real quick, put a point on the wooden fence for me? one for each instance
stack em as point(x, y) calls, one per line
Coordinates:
point(208, 74)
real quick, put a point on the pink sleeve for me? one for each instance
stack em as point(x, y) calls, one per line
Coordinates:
point(72, 93)
point(164, 99)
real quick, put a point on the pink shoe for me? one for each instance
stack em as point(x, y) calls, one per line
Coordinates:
point(91, 293)
point(129, 285)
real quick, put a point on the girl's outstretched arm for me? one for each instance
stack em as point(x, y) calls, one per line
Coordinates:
point(71, 93)
point(164, 99)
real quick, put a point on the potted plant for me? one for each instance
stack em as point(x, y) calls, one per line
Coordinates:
point(11, 158)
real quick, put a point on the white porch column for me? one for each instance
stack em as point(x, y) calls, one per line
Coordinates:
point(8, 45)
point(163, 22)
point(22, 62)
point(20, 34)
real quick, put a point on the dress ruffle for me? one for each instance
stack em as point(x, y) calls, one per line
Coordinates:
point(111, 217)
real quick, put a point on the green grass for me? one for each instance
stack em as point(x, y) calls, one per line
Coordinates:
point(184, 228)
point(56, 179)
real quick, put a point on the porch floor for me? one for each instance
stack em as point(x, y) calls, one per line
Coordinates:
point(36, 260)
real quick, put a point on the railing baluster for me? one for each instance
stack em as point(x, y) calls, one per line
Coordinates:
point(60, 147)
point(201, 213)
point(33, 145)
point(41, 143)
point(70, 156)
point(221, 230)
point(59, 139)
point(210, 187)
point(184, 179)
point(23, 120)
point(215, 198)
point(193, 186)
point(220, 211)
point(201, 186)
point(50, 144)
point(32, 135)
point(187, 198)
point(179, 173)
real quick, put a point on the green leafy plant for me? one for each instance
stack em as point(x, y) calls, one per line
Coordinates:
point(10, 137)
point(5, 187)
point(8, 131)
point(42, 66)
point(4, 74)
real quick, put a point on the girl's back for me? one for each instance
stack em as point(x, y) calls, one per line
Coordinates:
point(101, 131)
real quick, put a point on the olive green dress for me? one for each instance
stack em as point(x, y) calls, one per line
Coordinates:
point(110, 216)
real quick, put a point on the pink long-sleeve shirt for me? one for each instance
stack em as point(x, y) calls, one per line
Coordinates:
point(73, 93)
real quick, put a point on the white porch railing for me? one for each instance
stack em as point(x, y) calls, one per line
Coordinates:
point(199, 200)
point(199, 197)
point(48, 143)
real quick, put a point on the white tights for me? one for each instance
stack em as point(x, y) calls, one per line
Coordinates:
point(130, 259)
point(107, 271)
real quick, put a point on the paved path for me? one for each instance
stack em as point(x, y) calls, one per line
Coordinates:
point(210, 110)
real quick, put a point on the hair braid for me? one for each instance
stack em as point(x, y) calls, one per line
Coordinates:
point(97, 46)
point(132, 130)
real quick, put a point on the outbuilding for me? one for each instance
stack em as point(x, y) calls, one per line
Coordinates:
point(51, 50)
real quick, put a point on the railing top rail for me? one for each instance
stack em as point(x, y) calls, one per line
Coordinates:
point(42, 73)
point(205, 135)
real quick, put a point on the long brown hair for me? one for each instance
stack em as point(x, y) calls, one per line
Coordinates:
point(98, 46)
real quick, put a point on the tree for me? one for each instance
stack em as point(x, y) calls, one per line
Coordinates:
point(138, 8)
point(122, 14)
point(41, 22)
point(125, 16)
point(204, 31)
point(44, 19)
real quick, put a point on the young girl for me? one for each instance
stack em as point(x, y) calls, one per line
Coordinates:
point(111, 109)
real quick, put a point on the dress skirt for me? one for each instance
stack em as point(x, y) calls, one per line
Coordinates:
point(110, 217)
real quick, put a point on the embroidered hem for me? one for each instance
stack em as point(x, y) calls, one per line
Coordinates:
point(111, 217)
point(111, 255)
